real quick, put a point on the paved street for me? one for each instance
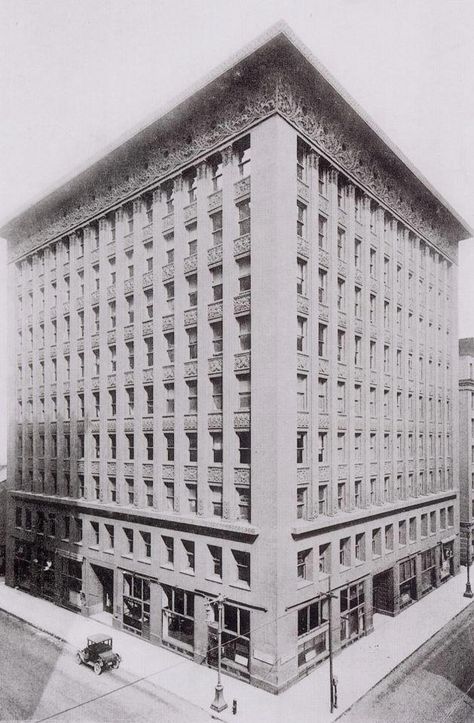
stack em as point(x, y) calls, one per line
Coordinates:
point(435, 684)
point(41, 679)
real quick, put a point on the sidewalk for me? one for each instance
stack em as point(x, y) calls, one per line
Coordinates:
point(358, 668)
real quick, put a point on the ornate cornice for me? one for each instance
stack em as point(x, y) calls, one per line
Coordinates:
point(275, 78)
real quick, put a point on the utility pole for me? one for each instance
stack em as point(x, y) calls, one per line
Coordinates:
point(332, 679)
point(468, 591)
point(218, 704)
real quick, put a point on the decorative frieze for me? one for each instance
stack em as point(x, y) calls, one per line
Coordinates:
point(242, 245)
point(214, 254)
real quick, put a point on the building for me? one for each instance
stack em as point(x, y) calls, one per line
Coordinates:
point(233, 374)
point(466, 446)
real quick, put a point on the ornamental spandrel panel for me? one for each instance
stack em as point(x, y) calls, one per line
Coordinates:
point(214, 310)
point(302, 420)
point(400, 466)
point(128, 332)
point(323, 312)
point(111, 380)
point(214, 475)
point(94, 425)
point(168, 373)
point(128, 378)
point(323, 204)
point(190, 473)
point(190, 212)
point(167, 424)
point(200, 507)
point(80, 303)
point(323, 420)
point(190, 264)
point(302, 190)
point(41, 353)
point(190, 421)
point(147, 279)
point(190, 317)
point(80, 466)
point(241, 476)
point(341, 319)
point(241, 361)
point(302, 362)
point(373, 377)
point(387, 379)
point(242, 187)
point(242, 245)
point(242, 303)
point(148, 375)
point(52, 314)
point(215, 365)
point(128, 468)
point(167, 272)
point(95, 467)
point(111, 336)
point(168, 322)
point(190, 369)
point(168, 222)
point(147, 424)
point(242, 420)
point(214, 254)
point(128, 424)
point(342, 471)
point(111, 292)
point(341, 267)
point(373, 284)
point(167, 471)
point(147, 328)
point(323, 366)
point(302, 304)
point(341, 217)
point(342, 370)
point(303, 475)
point(302, 247)
point(147, 470)
point(95, 340)
point(358, 326)
point(41, 315)
point(95, 383)
point(66, 388)
point(358, 276)
point(358, 469)
point(214, 421)
point(214, 201)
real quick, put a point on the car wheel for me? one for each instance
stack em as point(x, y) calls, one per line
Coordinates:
point(116, 663)
point(97, 668)
point(79, 658)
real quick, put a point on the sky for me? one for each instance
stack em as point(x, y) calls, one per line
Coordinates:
point(76, 76)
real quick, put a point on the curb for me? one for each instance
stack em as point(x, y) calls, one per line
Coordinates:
point(402, 662)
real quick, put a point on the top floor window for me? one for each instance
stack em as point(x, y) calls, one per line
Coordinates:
point(216, 172)
point(323, 179)
point(301, 152)
point(191, 186)
point(129, 219)
point(243, 155)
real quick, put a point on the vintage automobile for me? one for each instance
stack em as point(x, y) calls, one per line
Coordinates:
point(98, 653)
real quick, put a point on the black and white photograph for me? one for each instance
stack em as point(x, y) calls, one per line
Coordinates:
point(237, 361)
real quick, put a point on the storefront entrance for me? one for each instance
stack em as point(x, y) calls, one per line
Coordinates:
point(136, 605)
point(352, 605)
point(407, 582)
point(446, 560)
point(383, 595)
point(101, 590)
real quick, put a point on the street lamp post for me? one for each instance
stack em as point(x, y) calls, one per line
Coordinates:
point(219, 704)
point(468, 591)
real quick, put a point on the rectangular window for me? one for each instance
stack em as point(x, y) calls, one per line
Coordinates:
point(192, 342)
point(322, 340)
point(301, 219)
point(192, 446)
point(245, 391)
point(244, 217)
point(244, 274)
point(301, 276)
point(217, 392)
point(341, 243)
point(301, 334)
point(244, 332)
point(322, 447)
point(301, 456)
point(322, 232)
point(192, 395)
point(216, 447)
point(169, 446)
point(217, 282)
point(244, 447)
point(322, 286)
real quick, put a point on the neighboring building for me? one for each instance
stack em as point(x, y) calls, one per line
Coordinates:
point(3, 515)
point(466, 445)
point(233, 358)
